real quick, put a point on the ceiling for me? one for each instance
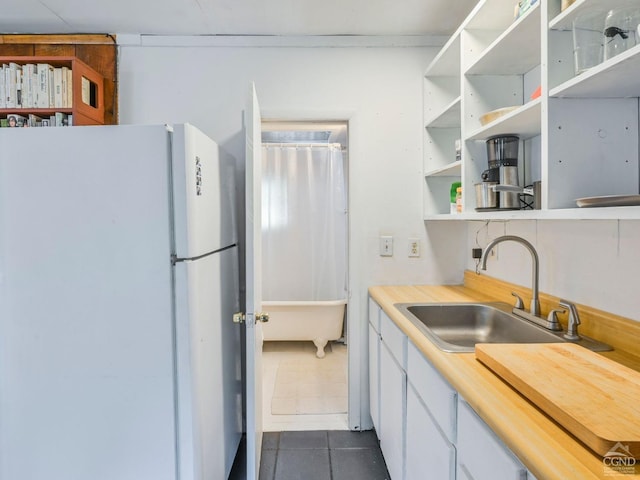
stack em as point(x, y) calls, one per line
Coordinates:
point(235, 17)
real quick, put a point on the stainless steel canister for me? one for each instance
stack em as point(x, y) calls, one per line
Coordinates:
point(509, 176)
point(486, 196)
point(537, 195)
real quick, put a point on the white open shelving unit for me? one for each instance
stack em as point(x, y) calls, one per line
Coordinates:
point(579, 138)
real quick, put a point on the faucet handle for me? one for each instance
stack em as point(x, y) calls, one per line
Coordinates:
point(519, 303)
point(552, 318)
point(574, 320)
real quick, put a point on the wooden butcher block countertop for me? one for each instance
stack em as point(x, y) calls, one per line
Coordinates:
point(542, 445)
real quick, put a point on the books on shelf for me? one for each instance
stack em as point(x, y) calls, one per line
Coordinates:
point(35, 86)
point(15, 120)
point(42, 92)
point(58, 119)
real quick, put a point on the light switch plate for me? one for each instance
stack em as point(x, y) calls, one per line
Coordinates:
point(386, 246)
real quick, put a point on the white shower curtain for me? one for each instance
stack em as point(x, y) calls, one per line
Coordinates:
point(304, 223)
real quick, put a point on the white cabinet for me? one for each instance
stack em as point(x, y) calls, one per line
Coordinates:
point(429, 454)
point(425, 429)
point(480, 454)
point(579, 138)
point(431, 420)
point(374, 363)
point(436, 393)
point(393, 383)
point(388, 387)
point(442, 110)
point(393, 388)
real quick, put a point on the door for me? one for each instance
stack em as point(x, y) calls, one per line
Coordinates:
point(253, 267)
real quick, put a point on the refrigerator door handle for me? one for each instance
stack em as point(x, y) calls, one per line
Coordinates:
point(176, 259)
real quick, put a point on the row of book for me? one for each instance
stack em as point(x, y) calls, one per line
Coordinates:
point(35, 85)
point(59, 119)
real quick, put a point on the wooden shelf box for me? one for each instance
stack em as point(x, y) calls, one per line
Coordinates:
point(87, 90)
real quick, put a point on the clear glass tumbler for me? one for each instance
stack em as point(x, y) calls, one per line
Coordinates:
point(620, 31)
point(588, 39)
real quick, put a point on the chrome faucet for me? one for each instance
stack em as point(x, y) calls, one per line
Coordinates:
point(535, 300)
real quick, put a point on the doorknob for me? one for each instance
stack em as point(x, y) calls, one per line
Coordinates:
point(240, 317)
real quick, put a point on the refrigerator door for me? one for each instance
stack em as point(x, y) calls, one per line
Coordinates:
point(209, 401)
point(203, 194)
point(86, 336)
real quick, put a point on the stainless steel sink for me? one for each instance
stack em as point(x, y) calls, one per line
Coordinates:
point(457, 327)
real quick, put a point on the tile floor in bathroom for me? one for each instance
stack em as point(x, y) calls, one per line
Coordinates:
point(317, 445)
point(318, 382)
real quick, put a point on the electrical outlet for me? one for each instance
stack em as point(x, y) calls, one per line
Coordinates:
point(414, 247)
point(476, 253)
point(386, 246)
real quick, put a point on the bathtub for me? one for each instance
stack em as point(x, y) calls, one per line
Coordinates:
point(319, 322)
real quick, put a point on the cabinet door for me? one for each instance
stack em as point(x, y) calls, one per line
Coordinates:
point(393, 382)
point(394, 339)
point(374, 377)
point(481, 454)
point(429, 454)
point(374, 315)
point(436, 393)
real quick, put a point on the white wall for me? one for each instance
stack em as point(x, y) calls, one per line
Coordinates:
point(378, 89)
point(595, 262)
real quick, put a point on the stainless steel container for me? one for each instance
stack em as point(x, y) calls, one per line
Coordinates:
point(486, 196)
point(537, 195)
point(509, 176)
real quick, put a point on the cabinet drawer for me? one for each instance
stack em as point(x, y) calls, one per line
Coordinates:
point(395, 340)
point(374, 315)
point(436, 393)
point(481, 454)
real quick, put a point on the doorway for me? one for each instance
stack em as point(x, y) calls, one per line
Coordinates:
point(305, 275)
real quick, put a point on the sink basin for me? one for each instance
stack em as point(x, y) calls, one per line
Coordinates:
point(457, 327)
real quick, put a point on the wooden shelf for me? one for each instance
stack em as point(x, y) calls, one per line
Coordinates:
point(86, 109)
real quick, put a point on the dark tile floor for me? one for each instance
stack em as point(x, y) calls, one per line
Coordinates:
point(319, 455)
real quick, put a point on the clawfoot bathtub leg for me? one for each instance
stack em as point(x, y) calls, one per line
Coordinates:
point(320, 343)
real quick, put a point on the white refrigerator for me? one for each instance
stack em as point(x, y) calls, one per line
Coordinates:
point(118, 282)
